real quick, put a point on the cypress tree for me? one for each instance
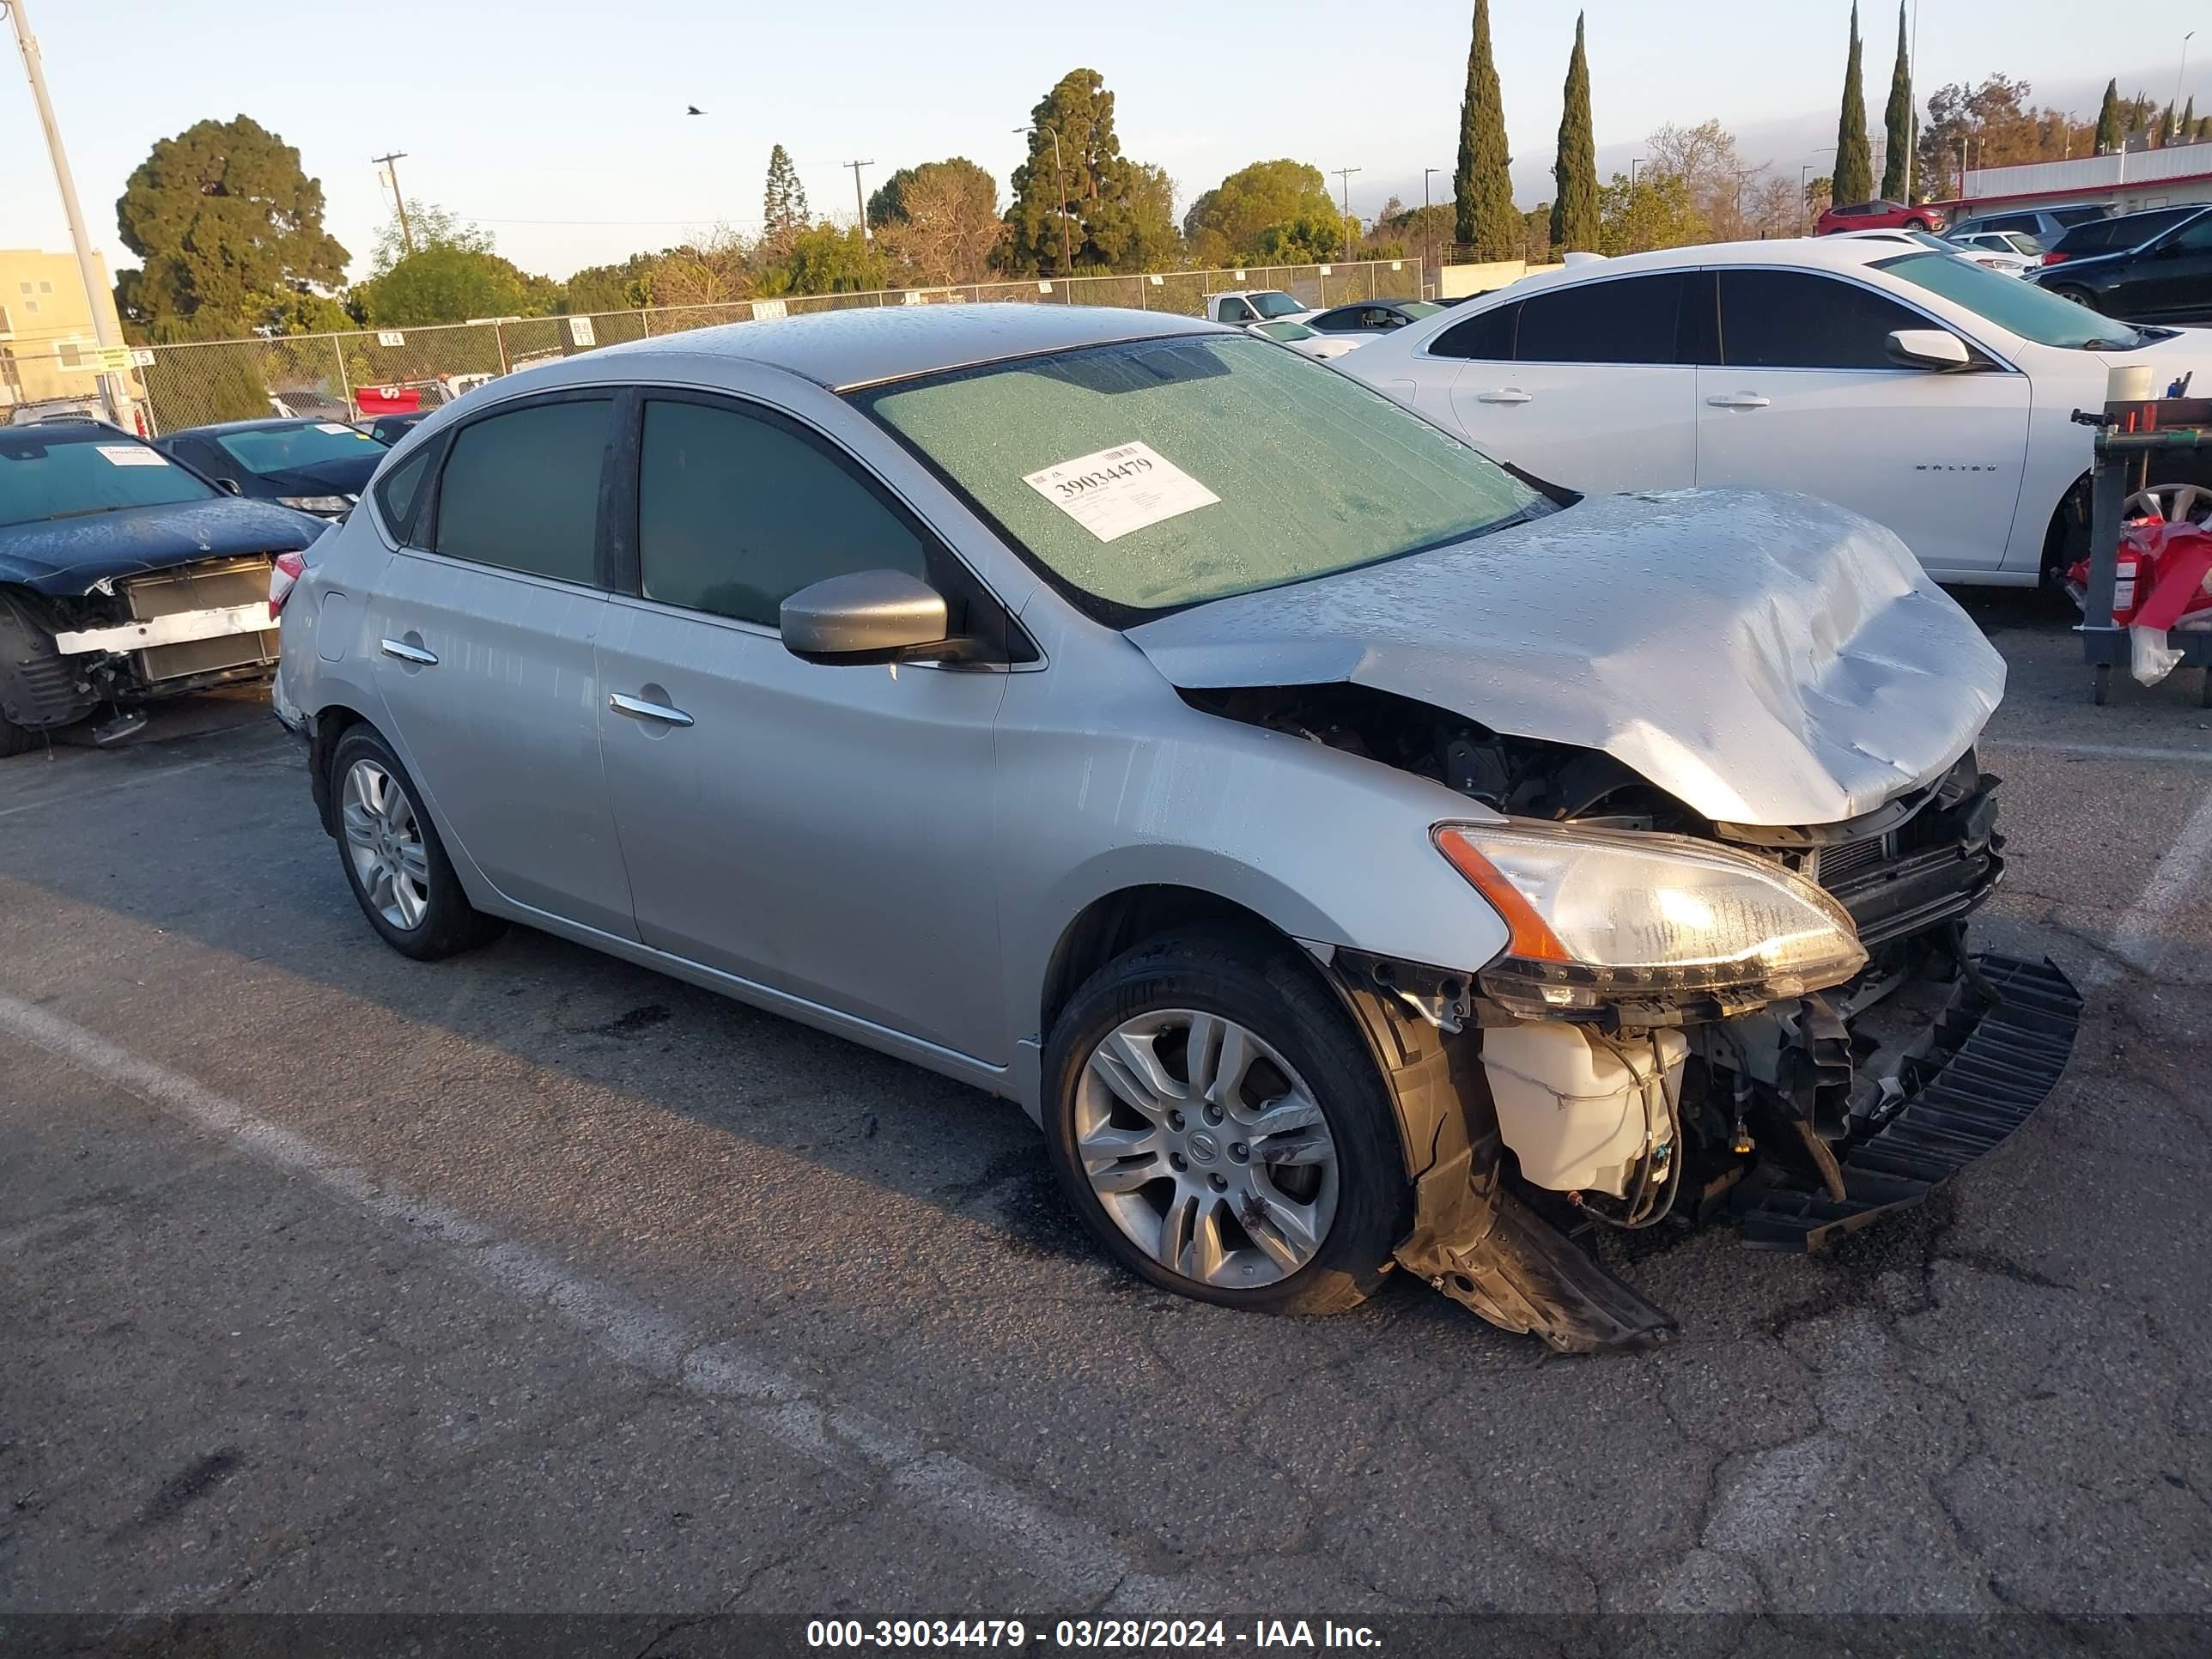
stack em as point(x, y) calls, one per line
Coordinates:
point(1897, 119)
point(1854, 173)
point(2109, 135)
point(2187, 129)
point(1484, 212)
point(1574, 206)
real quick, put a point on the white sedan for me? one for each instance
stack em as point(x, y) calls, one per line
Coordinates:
point(1306, 342)
point(1921, 389)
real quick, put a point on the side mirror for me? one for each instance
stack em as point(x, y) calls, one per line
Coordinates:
point(1928, 348)
point(867, 616)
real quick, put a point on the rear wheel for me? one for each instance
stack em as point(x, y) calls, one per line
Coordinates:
point(1917, 224)
point(2080, 296)
point(1221, 1126)
point(394, 861)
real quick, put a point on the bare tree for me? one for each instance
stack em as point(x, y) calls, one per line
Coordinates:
point(949, 228)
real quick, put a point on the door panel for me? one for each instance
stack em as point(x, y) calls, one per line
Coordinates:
point(1806, 399)
point(822, 830)
point(501, 731)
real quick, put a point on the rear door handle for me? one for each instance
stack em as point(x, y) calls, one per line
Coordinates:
point(641, 709)
point(1738, 400)
point(1511, 394)
point(406, 652)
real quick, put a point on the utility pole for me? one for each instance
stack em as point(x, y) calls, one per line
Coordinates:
point(1344, 179)
point(114, 389)
point(391, 172)
point(1428, 231)
point(860, 206)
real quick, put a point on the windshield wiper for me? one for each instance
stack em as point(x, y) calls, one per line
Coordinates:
point(84, 511)
point(2112, 345)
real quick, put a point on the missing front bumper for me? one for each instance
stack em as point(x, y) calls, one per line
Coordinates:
point(1996, 1053)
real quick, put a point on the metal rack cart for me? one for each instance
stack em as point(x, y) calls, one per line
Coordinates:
point(2130, 439)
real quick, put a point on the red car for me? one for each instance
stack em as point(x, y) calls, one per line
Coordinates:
point(1879, 215)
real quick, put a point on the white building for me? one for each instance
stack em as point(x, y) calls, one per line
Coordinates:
point(2130, 181)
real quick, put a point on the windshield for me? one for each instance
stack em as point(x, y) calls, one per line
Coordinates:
point(1274, 302)
point(1418, 307)
point(1283, 331)
point(1161, 473)
point(2024, 309)
point(48, 472)
point(282, 448)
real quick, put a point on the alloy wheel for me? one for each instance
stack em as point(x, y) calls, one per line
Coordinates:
point(384, 840)
point(1206, 1148)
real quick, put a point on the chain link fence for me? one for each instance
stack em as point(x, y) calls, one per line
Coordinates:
point(381, 371)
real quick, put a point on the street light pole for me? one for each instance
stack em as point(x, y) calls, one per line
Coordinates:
point(1058, 178)
point(112, 388)
point(1428, 230)
point(2179, 75)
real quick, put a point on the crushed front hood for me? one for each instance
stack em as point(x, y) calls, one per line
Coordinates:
point(70, 555)
point(1768, 659)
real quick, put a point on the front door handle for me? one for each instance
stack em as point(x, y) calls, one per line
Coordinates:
point(641, 709)
point(406, 652)
point(1511, 394)
point(1738, 400)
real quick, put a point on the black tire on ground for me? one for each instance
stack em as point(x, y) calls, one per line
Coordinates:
point(1917, 224)
point(450, 923)
point(14, 739)
point(2080, 296)
point(1261, 983)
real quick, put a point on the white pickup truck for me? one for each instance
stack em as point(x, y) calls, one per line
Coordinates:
point(1255, 305)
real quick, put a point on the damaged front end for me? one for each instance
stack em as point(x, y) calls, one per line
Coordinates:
point(1780, 1028)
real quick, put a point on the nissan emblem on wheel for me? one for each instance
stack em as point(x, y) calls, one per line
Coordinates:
point(1451, 877)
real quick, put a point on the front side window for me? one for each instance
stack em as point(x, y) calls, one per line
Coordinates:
point(2022, 309)
point(76, 472)
point(521, 490)
point(1157, 474)
point(2191, 239)
point(1235, 311)
point(1633, 319)
point(1796, 320)
point(736, 513)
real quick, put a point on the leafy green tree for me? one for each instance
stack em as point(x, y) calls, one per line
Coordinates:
point(610, 288)
point(825, 259)
point(1854, 159)
point(783, 204)
point(225, 225)
point(1657, 212)
point(1306, 239)
point(939, 221)
point(1230, 219)
point(428, 225)
point(444, 284)
point(1482, 185)
point(1897, 119)
point(2109, 133)
point(1574, 209)
point(1120, 213)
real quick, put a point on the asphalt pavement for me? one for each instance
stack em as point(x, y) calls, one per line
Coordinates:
point(530, 1281)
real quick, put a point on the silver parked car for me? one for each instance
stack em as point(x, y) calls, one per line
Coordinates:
point(1351, 851)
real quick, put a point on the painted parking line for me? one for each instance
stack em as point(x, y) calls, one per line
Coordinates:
point(1075, 1559)
point(2141, 936)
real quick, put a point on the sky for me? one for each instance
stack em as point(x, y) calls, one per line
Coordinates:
point(559, 126)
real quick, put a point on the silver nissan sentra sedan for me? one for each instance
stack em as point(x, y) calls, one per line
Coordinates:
point(1353, 852)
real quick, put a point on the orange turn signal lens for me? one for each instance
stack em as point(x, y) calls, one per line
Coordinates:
point(1532, 937)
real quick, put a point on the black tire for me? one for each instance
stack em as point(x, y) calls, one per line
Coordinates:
point(1263, 984)
point(449, 922)
point(14, 739)
point(2080, 296)
point(1917, 224)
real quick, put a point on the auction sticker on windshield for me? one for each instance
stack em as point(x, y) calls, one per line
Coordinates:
point(129, 455)
point(1113, 491)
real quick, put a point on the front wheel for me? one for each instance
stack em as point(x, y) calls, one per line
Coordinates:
point(1221, 1126)
point(1917, 224)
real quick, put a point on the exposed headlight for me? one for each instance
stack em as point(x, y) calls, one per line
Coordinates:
point(329, 506)
point(1606, 916)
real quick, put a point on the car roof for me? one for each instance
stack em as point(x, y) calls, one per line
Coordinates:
point(1837, 252)
point(864, 346)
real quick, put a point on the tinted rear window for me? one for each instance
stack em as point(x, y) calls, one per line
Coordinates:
point(521, 490)
point(1634, 319)
point(2130, 230)
point(399, 493)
